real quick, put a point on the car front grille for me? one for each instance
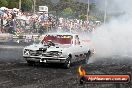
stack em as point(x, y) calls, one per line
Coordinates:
point(36, 52)
point(51, 54)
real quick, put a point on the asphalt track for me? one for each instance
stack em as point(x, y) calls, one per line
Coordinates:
point(15, 73)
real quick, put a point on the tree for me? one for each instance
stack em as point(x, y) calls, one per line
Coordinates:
point(67, 12)
point(13, 4)
point(26, 5)
point(82, 17)
point(3, 3)
point(92, 6)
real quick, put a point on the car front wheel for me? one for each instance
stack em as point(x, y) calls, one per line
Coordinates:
point(30, 63)
point(67, 63)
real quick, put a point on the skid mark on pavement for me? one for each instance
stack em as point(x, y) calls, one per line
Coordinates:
point(10, 47)
point(18, 69)
point(4, 82)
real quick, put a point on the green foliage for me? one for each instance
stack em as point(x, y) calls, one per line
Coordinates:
point(26, 5)
point(82, 17)
point(65, 8)
point(93, 18)
point(92, 6)
point(68, 11)
point(77, 8)
point(3, 3)
point(13, 3)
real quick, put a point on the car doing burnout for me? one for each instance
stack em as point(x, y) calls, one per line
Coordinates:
point(57, 48)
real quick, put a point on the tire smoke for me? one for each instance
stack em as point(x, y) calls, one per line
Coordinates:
point(115, 37)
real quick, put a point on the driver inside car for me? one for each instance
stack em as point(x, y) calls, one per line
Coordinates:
point(50, 43)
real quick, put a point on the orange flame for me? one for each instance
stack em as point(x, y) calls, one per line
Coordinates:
point(81, 71)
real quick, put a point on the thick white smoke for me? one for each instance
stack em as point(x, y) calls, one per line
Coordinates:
point(115, 37)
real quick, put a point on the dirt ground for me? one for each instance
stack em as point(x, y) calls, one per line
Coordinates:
point(15, 73)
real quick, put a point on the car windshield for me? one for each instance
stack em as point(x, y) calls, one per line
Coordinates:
point(58, 39)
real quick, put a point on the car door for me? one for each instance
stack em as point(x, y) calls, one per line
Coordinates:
point(79, 49)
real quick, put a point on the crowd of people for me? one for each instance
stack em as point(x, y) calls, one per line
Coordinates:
point(77, 25)
point(14, 21)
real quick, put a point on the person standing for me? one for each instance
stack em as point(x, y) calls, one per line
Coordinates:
point(1, 23)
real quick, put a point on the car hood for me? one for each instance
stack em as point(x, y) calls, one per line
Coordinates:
point(58, 48)
point(34, 46)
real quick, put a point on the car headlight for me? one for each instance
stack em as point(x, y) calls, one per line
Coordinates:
point(26, 52)
point(60, 54)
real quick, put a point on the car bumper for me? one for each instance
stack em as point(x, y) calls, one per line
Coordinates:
point(45, 59)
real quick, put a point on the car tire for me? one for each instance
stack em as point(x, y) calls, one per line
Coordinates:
point(67, 63)
point(87, 57)
point(30, 63)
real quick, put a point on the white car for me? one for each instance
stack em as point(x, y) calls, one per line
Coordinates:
point(57, 48)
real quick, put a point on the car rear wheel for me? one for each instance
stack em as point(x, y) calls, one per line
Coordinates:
point(67, 63)
point(87, 57)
